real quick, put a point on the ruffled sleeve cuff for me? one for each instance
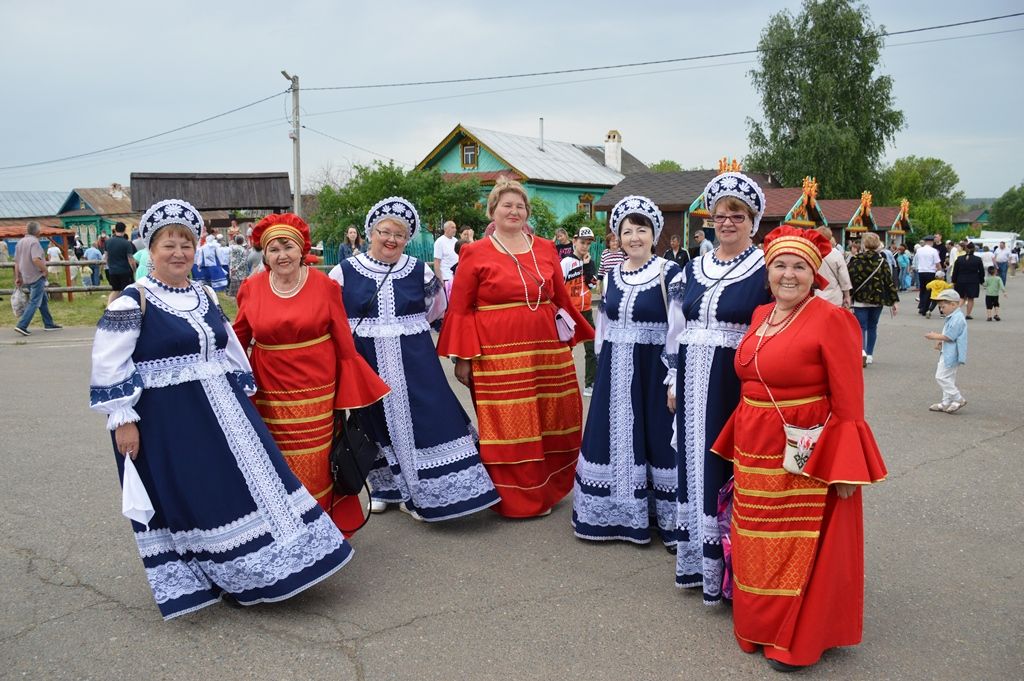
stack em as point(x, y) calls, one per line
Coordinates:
point(121, 417)
point(584, 331)
point(725, 443)
point(459, 337)
point(846, 452)
point(358, 385)
point(670, 379)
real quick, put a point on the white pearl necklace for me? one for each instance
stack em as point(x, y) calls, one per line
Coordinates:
point(519, 268)
point(293, 290)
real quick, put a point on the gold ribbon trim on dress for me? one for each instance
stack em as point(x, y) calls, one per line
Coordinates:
point(505, 306)
point(295, 346)
point(798, 402)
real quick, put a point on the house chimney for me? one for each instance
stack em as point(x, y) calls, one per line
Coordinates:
point(541, 147)
point(613, 150)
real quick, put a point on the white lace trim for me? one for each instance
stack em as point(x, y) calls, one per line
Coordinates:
point(387, 327)
point(722, 337)
point(121, 417)
point(603, 511)
point(261, 568)
point(708, 273)
point(265, 485)
point(160, 373)
point(219, 539)
point(600, 475)
point(637, 333)
point(453, 488)
point(699, 359)
point(620, 437)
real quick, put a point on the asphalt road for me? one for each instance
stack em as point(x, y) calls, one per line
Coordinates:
point(488, 598)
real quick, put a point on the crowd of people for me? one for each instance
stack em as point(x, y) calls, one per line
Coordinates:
point(742, 454)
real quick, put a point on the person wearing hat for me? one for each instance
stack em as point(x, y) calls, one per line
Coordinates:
point(229, 519)
point(797, 536)
point(711, 302)
point(501, 330)
point(952, 347)
point(626, 477)
point(303, 357)
point(428, 460)
point(580, 279)
point(926, 262)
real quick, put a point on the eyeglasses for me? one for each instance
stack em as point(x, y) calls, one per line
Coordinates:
point(391, 235)
point(734, 218)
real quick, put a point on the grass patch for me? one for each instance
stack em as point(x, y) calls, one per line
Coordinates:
point(86, 309)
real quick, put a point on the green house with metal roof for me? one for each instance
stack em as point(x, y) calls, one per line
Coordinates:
point(570, 177)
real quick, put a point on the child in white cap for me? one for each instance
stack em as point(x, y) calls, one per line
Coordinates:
point(952, 347)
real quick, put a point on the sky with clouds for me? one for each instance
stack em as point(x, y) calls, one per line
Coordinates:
point(84, 75)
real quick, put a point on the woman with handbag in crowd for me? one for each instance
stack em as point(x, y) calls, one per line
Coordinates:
point(797, 523)
point(872, 287)
point(710, 303)
point(517, 362)
point(228, 516)
point(626, 475)
point(428, 460)
point(291, 318)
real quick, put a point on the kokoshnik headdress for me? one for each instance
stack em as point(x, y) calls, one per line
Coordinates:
point(169, 212)
point(637, 205)
point(740, 186)
point(393, 208)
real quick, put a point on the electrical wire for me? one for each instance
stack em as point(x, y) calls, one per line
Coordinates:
point(356, 146)
point(737, 53)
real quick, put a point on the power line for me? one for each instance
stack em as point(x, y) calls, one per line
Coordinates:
point(657, 62)
point(356, 146)
point(147, 138)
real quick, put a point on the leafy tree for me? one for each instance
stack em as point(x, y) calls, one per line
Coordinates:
point(826, 114)
point(1007, 213)
point(665, 166)
point(930, 216)
point(919, 179)
point(435, 198)
point(542, 217)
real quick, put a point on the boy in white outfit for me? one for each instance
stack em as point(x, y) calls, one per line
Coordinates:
point(952, 347)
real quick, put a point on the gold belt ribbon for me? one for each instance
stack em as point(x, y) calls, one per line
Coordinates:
point(295, 346)
point(798, 402)
point(505, 306)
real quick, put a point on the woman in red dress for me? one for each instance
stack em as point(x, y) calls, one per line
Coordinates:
point(292, 322)
point(500, 329)
point(798, 540)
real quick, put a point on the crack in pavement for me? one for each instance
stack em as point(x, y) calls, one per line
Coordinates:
point(966, 449)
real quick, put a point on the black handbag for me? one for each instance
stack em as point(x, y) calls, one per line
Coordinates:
point(353, 452)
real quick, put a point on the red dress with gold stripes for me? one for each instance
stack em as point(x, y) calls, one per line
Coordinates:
point(305, 365)
point(797, 548)
point(525, 391)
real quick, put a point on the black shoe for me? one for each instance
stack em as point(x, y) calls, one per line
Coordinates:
point(55, 327)
point(970, 317)
point(782, 666)
point(23, 332)
point(998, 319)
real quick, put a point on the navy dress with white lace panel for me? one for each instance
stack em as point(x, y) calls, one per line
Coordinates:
point(428, 453)
point(711, 303)
point(626, 474)
point(230, 517)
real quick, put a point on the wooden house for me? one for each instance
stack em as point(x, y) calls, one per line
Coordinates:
point(572, 178)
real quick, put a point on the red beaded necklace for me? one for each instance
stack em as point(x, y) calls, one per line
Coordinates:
point(767, 323)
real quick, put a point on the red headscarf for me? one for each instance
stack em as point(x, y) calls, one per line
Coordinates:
point(283, 226)
point(804, 243)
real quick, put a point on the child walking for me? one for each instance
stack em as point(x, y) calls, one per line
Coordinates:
point(994, 286)
point(935, 286)
point(952, 347)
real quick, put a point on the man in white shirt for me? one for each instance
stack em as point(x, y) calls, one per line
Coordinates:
point(445, 256)
point(703, 245)
point(926, 261)
point(833, 268)
point(1002, 257)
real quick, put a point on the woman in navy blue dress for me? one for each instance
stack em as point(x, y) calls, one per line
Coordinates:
point(712, 301)
point(626, 474)
point(168, 371)
point(429, 463)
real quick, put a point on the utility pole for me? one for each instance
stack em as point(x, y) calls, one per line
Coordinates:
point(294, 134)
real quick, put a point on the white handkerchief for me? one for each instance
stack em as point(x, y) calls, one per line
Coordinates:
point(135, 503)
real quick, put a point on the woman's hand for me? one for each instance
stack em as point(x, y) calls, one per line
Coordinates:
point(671, 401)
point(127, 438)
point(845, 490)
point(463, 371)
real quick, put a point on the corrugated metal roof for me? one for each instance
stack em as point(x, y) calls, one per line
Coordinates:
point(30, 204)
point(558, 162)
point(113, 200)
